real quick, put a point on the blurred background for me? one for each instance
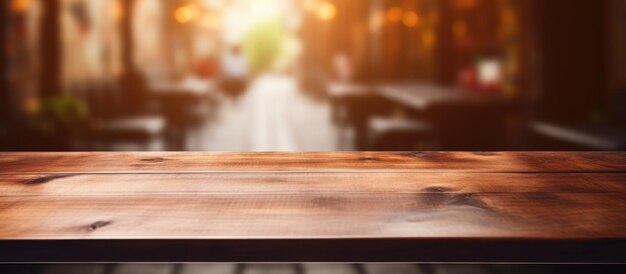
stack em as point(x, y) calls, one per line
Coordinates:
point(322, 75)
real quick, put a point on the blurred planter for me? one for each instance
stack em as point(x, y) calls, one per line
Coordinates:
point(57, 122)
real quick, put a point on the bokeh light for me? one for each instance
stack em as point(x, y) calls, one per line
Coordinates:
point(186, 13)
point(395, 14)
point(327, 11)
point(20, 5)
point(410, 19)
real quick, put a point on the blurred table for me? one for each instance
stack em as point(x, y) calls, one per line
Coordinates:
point(353, 105)
point(339, 90)
point(463, 120)
point(184, 103)
point(580, 136)
point(336, 206)
point(348, 99)
point(180, 97)
point(424, 97)
point(197, 87)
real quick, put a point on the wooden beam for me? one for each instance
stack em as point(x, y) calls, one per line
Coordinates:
point(158, 162)
point(307, 183)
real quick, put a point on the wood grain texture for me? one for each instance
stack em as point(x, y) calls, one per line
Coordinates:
point(308, 183)
point(277, 207)
point(422, 215)
point(27, 162)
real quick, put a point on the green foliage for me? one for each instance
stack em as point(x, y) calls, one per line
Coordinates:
point(263, 44)
point(60, 113)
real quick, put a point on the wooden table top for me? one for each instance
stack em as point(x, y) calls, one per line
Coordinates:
point(336, 206)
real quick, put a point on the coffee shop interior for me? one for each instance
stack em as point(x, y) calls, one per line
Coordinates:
point(311, 75)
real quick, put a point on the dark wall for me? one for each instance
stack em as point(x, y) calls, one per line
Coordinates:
point(50, 48)
point(4, 86)
point(571, 44)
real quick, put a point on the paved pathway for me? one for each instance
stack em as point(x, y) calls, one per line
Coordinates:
point(272, 115)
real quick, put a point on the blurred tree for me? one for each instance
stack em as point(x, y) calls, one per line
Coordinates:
point(263, 44)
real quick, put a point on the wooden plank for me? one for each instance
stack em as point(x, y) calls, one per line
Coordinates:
point(331, 269)
point(208, 269)
point(460, 269)
point(393, 268)
point(309, 183)
point(74, 269)
point(330, 216)
point(33, 162)
point(269, 269)
point(530, 269)
point(136, 268)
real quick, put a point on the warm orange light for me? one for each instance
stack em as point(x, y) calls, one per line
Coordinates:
point(20, 6)
point(210, 21)
point(116, 10)
point(327, 11)
point(459, 29)
point(310, 5)
point(395, 14)
point(429, 39)
point(186, 13)
point(377, 20)
point(464, 4)
point(410, 19)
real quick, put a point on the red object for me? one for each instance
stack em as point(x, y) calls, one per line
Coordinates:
point(468, 79)
point(206, 67)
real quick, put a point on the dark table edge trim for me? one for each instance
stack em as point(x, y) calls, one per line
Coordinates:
point(439, 250)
